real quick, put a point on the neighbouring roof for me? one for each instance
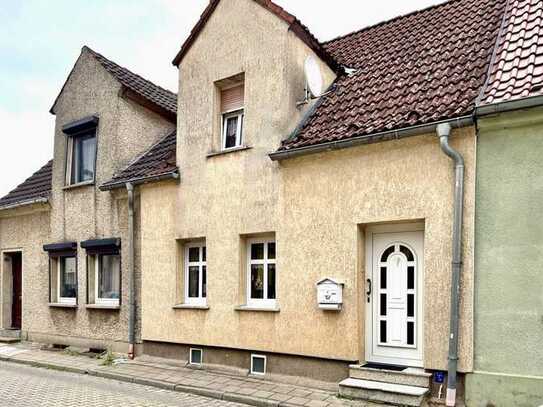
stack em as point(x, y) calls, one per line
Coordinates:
point(517, 68)
point(416, 69)
point(295, 26)
point(157, 163)
point(139, 89)
point(35, 188)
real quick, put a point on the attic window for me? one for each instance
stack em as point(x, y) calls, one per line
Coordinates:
point(232, 112)
point(81, 151)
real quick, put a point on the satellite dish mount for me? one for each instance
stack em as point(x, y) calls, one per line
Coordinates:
point(313, 80)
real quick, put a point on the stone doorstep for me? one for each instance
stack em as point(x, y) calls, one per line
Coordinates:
point(397, 394)
point(10, 333)
point(409, 376)
point(105, 372)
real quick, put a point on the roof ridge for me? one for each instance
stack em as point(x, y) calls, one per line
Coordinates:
point(100, 56)
point(393, 19)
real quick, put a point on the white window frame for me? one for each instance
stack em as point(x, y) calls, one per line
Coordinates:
point(65, 300)
point(253, 356)
point(264, 302)
point(112, 302)
point(191, 362)
point(200, 300)
point(240, 114)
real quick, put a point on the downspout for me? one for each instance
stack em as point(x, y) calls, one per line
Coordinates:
point(443, 132)
point(131, 273)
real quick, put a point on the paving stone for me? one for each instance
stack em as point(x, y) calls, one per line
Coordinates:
point(298, 401)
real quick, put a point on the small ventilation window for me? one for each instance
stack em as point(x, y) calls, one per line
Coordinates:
point(196, 356)
point(258, 364)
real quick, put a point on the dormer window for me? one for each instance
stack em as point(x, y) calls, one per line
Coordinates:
point(81, 151)
point(232, 111)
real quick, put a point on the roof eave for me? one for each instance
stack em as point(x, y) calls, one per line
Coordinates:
point(463, 121)
point(170, 175)
point(28, 202)
point(509, 105)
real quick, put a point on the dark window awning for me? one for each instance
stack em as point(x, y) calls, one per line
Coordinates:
point(64, 249)
point(102, 246)
point(79, 126)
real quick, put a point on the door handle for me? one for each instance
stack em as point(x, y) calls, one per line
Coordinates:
point(368, 293)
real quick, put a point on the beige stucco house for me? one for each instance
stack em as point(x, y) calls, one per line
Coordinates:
point(259, 223)
point(65, 268)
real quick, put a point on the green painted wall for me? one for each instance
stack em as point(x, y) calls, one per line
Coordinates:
point(509, 262)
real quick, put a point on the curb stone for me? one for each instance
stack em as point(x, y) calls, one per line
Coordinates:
point(200, 391)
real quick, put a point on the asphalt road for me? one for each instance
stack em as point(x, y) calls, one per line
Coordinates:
point(29, 386)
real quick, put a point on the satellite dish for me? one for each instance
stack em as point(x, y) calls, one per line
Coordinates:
point(313, 76)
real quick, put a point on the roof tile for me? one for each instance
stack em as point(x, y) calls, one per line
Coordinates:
point(36, 187)
point(517, 67)
point(159, 160)
point(416, 69)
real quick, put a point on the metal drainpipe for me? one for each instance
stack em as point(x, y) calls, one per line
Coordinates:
point(443, 132)
point(131, 274)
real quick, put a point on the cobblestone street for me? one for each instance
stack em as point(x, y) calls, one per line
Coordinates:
point(29, 386)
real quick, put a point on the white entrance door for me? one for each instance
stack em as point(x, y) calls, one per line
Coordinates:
point(394, 305)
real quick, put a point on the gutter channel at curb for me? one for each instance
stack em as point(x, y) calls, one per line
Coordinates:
point(181, 388)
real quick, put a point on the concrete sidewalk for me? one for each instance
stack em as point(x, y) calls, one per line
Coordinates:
point(246, 390)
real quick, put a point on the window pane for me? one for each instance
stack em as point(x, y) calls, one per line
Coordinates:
point(194, 281)
point(109, 277)
point(410, 333)
point(194, 254)
point(231, 132)
point(271, 282)
point(407, 253)
point(68, 281)
point(84, 158)
point(410, 278)
point(387, 253)
point(383, 331)
point(204, 254)
point(257, 251)
point(410, 305)
point(383, 304)
point(88, 154)
point(258, 365)
point(271, 250)
point(383, 278)
point(257, 281)
point(204, 281)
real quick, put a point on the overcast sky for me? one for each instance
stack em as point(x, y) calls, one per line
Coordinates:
point(41, 39)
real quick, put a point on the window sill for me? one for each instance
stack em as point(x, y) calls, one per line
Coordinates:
point(61, 305)
point(230, 150)
point(106, 307)
point(80, 185)
point(191, 306)
point(244, 308)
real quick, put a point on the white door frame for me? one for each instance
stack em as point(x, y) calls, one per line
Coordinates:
point(372, 348)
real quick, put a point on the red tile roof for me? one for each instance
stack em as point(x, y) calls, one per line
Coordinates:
point(37, 187)
point(295, 26)
point(416, 69)
point(157, 163)
point(517, 68)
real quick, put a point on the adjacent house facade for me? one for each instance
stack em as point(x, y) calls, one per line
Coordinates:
point(65, 268)
point(339, 237)
point(508, 364)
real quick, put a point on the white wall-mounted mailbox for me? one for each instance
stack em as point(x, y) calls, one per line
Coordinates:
point(330, 294)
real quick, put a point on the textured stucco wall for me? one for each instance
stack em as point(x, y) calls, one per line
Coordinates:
point(509, 254)
point(315, 205)
point(77, 214)
point(25, 230)
point(322, 202)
